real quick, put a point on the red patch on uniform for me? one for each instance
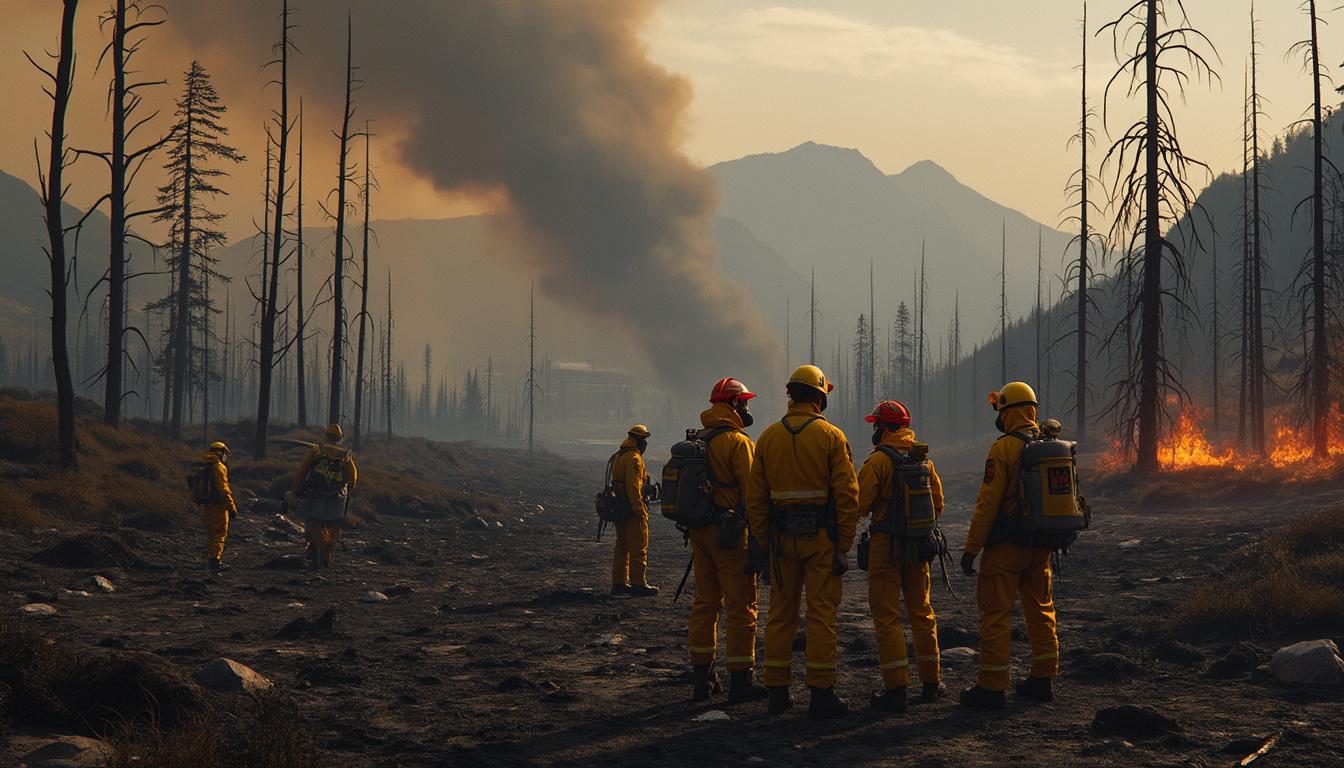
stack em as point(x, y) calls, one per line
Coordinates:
point(989, 471)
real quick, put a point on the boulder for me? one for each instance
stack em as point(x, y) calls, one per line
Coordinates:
point(374, 597)
point(89, 550)
point(59, 751)
point(960, 652)
point(104, 584)
point(229, 675)
point(1311, 662)
point(1133, 722)
point(1237, 663)
point(38, 609)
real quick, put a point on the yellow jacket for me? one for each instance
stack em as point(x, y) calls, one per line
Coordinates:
point(730, 456)
point(348, 469)
point(221, 471)
point(999, 492)
point(875, 484)
point(807, 468)
point(629, 473)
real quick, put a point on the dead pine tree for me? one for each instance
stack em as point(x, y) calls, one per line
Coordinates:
point(1316, 378)
point(921, 349)
point(266, 354)
point(1256, 266)
point(1080, 185)
point(1003, 303)
point(388, 380)
point(300, 339)
point(126, 19)
point(52, 193)
point(338, 269)
point(1243, 268)
point(1150, 194)
point(363, 293)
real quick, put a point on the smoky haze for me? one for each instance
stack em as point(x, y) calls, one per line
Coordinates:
point(554, 107)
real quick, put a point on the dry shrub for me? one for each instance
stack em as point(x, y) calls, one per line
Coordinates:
point(1289, 585)
point(29, 433)
point(194, 744)
point(17, 508)
point(260, 731)
point(34, 667)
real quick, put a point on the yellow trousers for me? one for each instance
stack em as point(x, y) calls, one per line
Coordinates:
point(887, 583)
point(322, 536)
point(630, 556)
point(805, 564)
point(1009, 572)
point(216, 519)
point(721, 585)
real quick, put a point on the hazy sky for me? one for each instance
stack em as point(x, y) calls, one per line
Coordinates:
point(982, 87)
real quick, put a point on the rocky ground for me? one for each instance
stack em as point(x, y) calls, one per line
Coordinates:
point(493, 642)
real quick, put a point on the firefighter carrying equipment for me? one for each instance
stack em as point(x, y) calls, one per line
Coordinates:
point(1051, 511)
point(325, 472)
point(630, 553)
point(811, 376)
point(803, 464)
point(201, 481)
point(216, 512)
point(689, 485)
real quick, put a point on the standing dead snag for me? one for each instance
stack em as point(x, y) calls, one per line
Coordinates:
point(338, 273)
point(363, 298)
point(300, 338)
point(271, 285)
point(123, 103)
point(1150, 194)
point(52, 194)
point(1256, 267)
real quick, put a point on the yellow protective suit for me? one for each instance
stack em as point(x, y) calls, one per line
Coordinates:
point(1009, 572)
point(216, 514)
point(808, 469)
point(721, 581)
point(630, 556)
point(888, 580)
point(323, 532)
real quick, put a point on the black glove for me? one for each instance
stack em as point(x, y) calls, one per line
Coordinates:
point(841, 563)
point(968, 563)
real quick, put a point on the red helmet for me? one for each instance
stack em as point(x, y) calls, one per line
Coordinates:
point(890, 412)
point(728, 389)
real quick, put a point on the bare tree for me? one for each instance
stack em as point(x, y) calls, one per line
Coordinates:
point(363, 293)
point(338, 273)
point(52, 194)
point(1255, 268)
point(1150, 193)
point(300, 337)
point(388, 383)
point(1003, 303)
point(271, 285)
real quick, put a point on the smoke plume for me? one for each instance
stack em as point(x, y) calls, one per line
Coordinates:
point(555, 106)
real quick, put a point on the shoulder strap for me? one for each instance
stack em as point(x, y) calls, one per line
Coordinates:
point(715, 432)
point(710, 435)
point(893, 454)
point(801, 427)
point(1026, 437)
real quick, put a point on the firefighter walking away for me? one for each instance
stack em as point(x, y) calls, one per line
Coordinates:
point(323, 484)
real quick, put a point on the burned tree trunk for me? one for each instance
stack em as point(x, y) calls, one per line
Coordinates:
point(363, 301)
point(301, 339)
point(338, 272)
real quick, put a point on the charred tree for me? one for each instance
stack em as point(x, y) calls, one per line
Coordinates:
point(271, 283)
point(363, 296)
point(1151, 194)
point(52, 194)
point(388, 383)
point(1256, 343)
point(301, 339)
point(338, 269)
point(1082, 184)
point(1003, 303)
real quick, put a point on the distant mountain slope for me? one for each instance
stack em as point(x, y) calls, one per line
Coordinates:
point(832, 209)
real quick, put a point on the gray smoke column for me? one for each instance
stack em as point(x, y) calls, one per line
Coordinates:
point(554, 104)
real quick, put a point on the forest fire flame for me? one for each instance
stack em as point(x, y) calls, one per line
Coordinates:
point(1187, 445)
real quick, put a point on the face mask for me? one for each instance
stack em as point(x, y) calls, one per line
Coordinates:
point(745, 416)
point(822, 404)
point(877, 435)
point(998, 423)
point(641, 445)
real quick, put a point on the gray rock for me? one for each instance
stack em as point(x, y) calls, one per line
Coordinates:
point(1311, 662)
point(104, 584)
point(960, 652)
point(38, 609)
point(375, 597)
point(59, 751)
point(229, 675)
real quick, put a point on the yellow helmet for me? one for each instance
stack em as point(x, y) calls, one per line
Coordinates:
point(333, 433)
point(220, 448)
point(1013, 393)
point(811, 376)
point(640, 431)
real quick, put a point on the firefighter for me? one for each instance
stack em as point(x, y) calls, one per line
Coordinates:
point(803, 505)
point(723, 579)
point(630, 556)
point(899, 567)
point(323, 484)
point(216, 503)
point(1008, 569)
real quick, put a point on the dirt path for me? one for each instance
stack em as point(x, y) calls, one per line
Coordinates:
point(501, 647)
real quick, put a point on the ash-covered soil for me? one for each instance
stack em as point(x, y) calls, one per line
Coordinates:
point(499, 646)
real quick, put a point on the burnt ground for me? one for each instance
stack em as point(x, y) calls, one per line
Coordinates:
point(501, 646)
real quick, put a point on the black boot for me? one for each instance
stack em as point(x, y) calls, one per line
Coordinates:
point(644, 590)
point(933, 692)
point(620, 589)
point(982, 698)
point(705, 680)
point(781, 700)
point(216, 567)
point(742, 688)
point(1036, 689)
point(825, 704)
point(891, 700)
